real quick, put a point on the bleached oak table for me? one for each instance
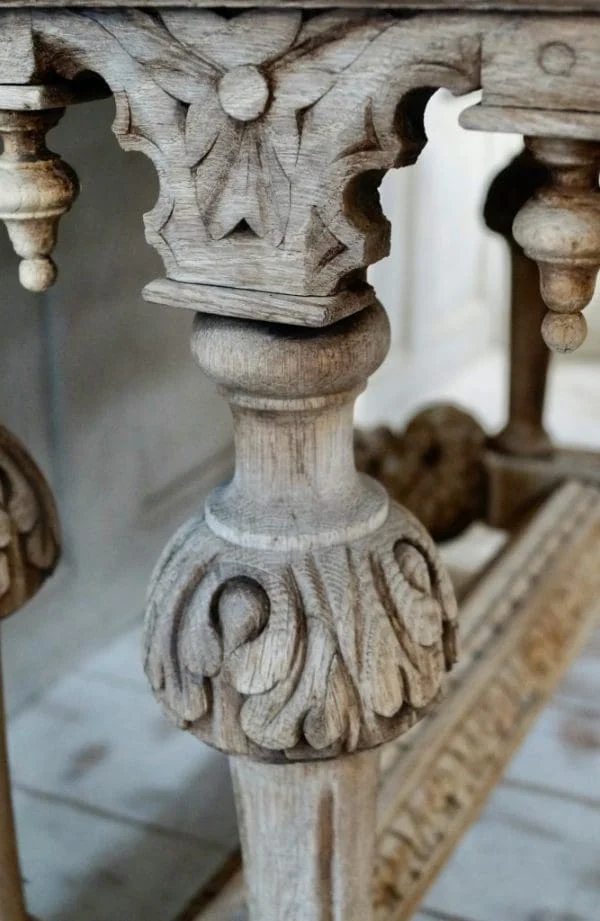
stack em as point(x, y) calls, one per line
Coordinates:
point(304, 619)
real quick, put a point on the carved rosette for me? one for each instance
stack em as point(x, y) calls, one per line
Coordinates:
point(303, 655)
point(435, 467)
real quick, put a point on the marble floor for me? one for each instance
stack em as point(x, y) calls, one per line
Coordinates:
point(121, 817)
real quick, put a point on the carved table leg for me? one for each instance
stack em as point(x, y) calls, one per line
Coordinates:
point(319, 820)
point(28, 554)
point(304, 617)
point(524, 433)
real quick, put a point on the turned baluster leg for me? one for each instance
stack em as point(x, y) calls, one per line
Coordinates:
point(29, 552)
point(303, 617)
point(524, 433)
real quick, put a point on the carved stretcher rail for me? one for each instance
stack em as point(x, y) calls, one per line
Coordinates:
point(522, 624)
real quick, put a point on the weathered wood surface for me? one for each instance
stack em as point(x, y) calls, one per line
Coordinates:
point(435, 468)
point(303, 617)
point(466, 5)
point(522, 624)
point(270, 152)
point(518, 484)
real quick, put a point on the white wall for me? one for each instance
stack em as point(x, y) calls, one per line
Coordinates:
point(445, 284)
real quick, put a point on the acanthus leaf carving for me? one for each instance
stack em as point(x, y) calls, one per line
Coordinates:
point(306, 655)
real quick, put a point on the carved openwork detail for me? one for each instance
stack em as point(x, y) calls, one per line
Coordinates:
point(270, 130)
point(289, 656)
point(29, 539)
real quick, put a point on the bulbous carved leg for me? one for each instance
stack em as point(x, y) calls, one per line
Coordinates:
point(524, 433)
point(302, 617)
point(29, 550)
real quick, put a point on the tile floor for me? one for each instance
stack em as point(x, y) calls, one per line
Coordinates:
point(121, 817)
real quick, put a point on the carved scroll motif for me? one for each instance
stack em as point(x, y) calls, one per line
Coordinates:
point(29, 539)
point(270, 130)
point(322, 652)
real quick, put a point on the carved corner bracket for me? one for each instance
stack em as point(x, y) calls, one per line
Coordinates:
point(270, 131)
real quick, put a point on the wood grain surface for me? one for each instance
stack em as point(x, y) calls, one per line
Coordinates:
point(511, 5)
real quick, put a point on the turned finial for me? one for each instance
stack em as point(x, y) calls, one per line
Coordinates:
point(559, 228)
point(36, 189)
point(524, 432)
